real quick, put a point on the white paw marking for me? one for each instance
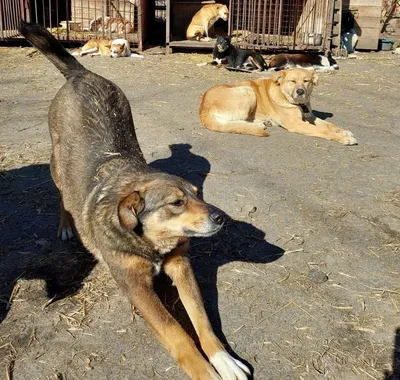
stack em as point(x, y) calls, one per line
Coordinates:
point(135, 55)
point(202, 64)
point(228, 367)
point(66, 233)
point(348, 137)
point(350, 141)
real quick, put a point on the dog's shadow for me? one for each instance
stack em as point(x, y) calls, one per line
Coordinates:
point(29, 247)
point(395, 375)
point(238, 241)
point(322, 115)
point(185, 164)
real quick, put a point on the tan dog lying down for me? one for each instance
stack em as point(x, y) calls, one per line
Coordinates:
point(204, 19)
point(111, 48)
point(249, 107)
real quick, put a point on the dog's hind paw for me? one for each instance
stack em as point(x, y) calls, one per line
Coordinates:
point(66, 233)
point(269, 124)
point(228, 367)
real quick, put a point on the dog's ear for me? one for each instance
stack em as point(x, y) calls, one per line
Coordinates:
point(129, 208)
point(228, 38)
point(278, 76)
point(315, 79)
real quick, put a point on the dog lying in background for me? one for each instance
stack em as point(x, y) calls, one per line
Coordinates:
point(284, 100)
point(225, 52)
point(111, 25)
point(137, 220)
point(318, 62)
point(204, 19)
point(109, 48)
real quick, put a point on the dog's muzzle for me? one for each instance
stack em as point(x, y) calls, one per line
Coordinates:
point(221, 48)
point(300, 93)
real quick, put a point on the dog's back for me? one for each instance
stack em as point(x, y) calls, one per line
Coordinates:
point(89, 114)
point(284, 61)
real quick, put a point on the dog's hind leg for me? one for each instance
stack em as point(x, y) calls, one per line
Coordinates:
point(228, 116)
point(66, 225)
point(88, 51)
point(241, 127)
point(134, 275)
point(65, 228)
point(257, 63)
point(177, 266)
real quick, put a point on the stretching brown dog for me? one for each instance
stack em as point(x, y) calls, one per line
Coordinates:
point(250, 107)
point(137, 220)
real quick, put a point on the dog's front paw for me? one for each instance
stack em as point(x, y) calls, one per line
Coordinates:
point(348, 138)
point(228, 367)
point(202, 64)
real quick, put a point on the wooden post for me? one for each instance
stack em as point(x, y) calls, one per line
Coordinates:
point(168, 27)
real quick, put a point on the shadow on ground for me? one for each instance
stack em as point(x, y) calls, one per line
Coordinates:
point(238, 241)
point(395, 375)
point(322, 115)
point(31, 250)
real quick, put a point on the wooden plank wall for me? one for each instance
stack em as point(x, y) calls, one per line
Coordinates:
point(367, 15)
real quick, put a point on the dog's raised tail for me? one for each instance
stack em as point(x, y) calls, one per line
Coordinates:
point(46, 43)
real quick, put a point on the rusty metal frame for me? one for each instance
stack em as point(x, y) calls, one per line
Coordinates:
point(74, 20)
point(280, 24)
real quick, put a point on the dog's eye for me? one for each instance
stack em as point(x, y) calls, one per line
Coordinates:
point(292, 81)
point(306, 81)
point(178, 203)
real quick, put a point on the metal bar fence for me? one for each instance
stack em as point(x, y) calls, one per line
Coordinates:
point(75, 20)
point(280, 24)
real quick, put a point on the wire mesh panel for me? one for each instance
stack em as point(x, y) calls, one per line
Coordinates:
point(75, 19)
point(11, 11)
point(97, 19)
point(280, 24)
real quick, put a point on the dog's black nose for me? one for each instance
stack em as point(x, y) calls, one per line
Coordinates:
point(217, 216)
point(300, 91)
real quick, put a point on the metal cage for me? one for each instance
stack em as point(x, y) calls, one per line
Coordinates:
point(76, 20)
point(281, 24)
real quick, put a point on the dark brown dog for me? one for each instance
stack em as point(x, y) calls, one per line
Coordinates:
point(137, 220)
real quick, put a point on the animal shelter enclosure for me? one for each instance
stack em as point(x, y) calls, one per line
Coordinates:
point(281, 24)
point(78, 20)
point(259, 24)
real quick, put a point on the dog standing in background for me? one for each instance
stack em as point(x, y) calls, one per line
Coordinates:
point(137, 220)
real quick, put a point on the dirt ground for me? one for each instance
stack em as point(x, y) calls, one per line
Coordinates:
point(303, 283)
